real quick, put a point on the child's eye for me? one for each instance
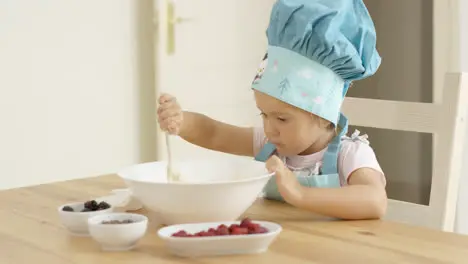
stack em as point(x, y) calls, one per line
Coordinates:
point(282, 119)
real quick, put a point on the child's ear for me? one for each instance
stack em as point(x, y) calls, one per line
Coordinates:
point(324, 123)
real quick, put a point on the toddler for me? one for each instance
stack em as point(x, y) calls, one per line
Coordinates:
point(316, 48)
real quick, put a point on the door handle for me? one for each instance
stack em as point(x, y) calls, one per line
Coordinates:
point(172, 21)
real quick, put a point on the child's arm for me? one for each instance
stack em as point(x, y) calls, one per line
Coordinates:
point(203, 131)
point(364, 198)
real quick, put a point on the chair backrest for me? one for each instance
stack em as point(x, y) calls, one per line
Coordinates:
point(447, 122)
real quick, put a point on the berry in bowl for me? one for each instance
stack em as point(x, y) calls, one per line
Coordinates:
point(118, 231)
point(219, 238)
point(246, 227)
point(74, 216)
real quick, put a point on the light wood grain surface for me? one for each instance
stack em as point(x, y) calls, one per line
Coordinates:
point(31, 233)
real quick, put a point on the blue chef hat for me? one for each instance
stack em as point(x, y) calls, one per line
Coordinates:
point(316, 48)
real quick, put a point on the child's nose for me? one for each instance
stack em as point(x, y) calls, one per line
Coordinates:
point(270, 131)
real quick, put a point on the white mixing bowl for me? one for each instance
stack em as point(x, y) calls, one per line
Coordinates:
point(208, 191)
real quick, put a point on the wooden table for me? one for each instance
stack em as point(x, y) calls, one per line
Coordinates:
point(31, 233)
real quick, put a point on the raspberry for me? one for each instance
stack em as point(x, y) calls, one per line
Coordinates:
point(239, 231)
point(258, 230)
point(231, 227)
point(222, 230)
point(205, 234)
point(180, 233)
point(252, 227)
point(210, 233)
point(245, 227)
point(222, 226)
point(245, 222)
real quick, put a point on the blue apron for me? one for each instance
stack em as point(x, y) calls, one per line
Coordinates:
point(328, 176)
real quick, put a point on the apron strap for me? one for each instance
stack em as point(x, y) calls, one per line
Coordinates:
point(330, 158)
point(345, 88)
point(266, 152)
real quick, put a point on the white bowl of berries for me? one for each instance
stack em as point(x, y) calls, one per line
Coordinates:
point(208, 190)
point(74, 216)
point(118, 231)
point(219, 238)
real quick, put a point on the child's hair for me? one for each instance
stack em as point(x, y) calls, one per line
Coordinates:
point(329, 126)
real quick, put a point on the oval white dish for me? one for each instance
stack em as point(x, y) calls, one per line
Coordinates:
point(217, 245)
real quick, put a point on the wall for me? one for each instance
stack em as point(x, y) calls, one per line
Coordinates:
point(462, 212)
point(76, 88)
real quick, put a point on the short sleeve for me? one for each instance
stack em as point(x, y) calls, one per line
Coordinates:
point(259, 139)
point(356, 154)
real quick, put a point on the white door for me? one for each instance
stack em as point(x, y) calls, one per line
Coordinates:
point(207, 55)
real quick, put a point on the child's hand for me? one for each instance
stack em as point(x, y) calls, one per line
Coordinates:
point(170, 115)
point(288, 185)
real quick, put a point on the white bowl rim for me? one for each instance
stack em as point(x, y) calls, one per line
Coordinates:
point(81, 213)
point(123, 171)
point(94, 220)
point(278, 229)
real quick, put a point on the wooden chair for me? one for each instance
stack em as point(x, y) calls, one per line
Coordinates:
point(447, 122)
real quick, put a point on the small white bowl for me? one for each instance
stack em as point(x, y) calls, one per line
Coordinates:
point(217, 245)
point(118, 237)
point(128, 201)
point(77, 222)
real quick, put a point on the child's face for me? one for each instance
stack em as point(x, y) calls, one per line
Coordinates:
point(291, 129)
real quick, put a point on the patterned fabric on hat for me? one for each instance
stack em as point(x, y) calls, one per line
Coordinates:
point(316, 49)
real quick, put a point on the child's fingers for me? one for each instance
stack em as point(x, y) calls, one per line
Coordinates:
point(171, 124)
point(168, 104)
point(166, 125)
point(173, 127)
point(168, 113)
point(165, 98)
point(274, 164)
point(163, 126)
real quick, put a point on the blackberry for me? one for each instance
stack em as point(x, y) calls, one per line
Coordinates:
point(111, 222)
point(91, 205)
point(103, 205)
point(116, 222)
point(67, 209)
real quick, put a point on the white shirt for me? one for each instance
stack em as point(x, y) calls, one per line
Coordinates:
point(355, 153)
